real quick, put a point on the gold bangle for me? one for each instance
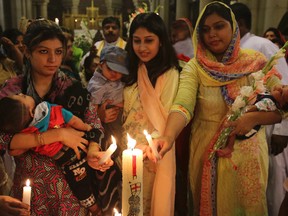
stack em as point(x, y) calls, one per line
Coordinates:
point(40, 139)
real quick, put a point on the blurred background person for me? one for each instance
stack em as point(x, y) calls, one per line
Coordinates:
point(90, 64)
point(274, 35)
point(111, 33)
point(181, 37)
point(69, 64)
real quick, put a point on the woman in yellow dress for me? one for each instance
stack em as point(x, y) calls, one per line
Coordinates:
point(151, 86)
point(209, 84)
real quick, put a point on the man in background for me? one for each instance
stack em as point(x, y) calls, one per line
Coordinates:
point(111, 32)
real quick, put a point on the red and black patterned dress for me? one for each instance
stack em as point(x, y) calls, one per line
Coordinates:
point(51, 194)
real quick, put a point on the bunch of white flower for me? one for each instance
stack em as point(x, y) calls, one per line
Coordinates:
point(246, 94)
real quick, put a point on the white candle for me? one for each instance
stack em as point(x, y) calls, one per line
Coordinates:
point(116, 213)
point(27, 193)
point(109, 151)
point(151, 144)
point(57, 21)
point(132, 179)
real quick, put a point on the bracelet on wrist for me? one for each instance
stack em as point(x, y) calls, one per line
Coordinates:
point(40, 139)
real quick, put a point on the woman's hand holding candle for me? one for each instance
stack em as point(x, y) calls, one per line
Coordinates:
point(108, 152)
point(151, 145)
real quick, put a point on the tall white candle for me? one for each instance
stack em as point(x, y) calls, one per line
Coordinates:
point(109, 151)
point(151, 144)
point(27, 193)
point(132, 179)
point(57, 21)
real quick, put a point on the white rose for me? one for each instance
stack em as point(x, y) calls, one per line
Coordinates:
point(260, 88)
point(257, 75)
point(246, 91)
point(238, 103)
point(279, 54)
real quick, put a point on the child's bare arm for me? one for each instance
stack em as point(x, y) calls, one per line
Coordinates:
point(78, 124)
point(251, 108)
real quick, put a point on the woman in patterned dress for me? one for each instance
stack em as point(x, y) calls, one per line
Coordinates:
point(45, 46)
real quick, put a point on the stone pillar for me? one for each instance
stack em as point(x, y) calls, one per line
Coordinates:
point(74, 7)
point(163, 10)
point(34, 9)
point(44, 10)
point(2, 23)
point(182, 9)
point(274, 11)
point(108, 4)
point(39, 8)
point(29, 10)
point(15, 12)
point(202, 4)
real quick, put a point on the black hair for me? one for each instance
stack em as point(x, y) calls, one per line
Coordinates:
point(242, 12)
point(38, 31)
point(69, 33)
point(109, 20)
point(87, 63)
point(166, 57)
point(12, 34)
point(14, 116)
point(41, 30)
point(219, 9)
point(278, 42)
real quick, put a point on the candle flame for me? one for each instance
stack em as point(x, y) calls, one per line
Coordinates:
point(131, 142)
point(27, 182)
point(145, 132)
point(113, 140)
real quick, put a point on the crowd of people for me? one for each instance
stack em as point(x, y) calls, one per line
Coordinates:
point(59, 108)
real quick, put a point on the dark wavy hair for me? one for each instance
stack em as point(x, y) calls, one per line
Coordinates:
point(12, 34)
point(166, 57)
point(41, 30)
point(242, 11)
point(14, 116)
point(109, 20)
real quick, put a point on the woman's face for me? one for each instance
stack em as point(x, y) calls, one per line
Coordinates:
point(19, 43)
point(270, 35)
point(217, 34)
point(46, 57)
point(69, 51)
point(145, 44)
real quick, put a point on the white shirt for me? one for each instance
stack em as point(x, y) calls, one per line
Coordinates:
point(119, 42)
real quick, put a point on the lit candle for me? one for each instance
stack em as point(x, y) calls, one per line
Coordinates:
point(132, 179)
point(151, 144)
point(109, 151)
point(57, 21)
point(116, 213)
point(27, 193)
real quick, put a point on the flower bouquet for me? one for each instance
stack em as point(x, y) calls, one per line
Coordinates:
point(247, 93)
point(142, 9)
point(85, 39)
